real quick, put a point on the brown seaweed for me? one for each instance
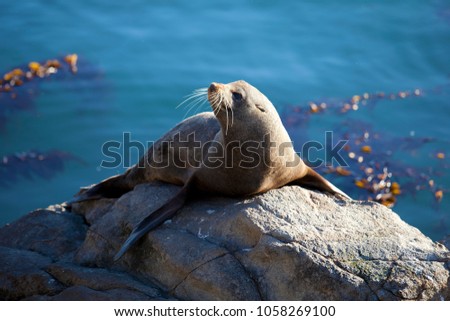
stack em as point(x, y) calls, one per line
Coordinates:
point(18, 86)
point(33, 164)
point(18, 89)
point(373, 171)
point(19, 76)
point(299, 114)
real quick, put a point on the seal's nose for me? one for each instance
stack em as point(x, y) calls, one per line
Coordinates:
point(215, 87)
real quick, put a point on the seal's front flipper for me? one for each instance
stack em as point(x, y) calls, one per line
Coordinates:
point(314, 180)
point(112, 187)
point(154, 219)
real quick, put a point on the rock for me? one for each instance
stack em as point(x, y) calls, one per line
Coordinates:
point(101, 280)
point(75, 293)
point(22, 274)
point(52, 232)
point(82, 293)
point(30, 276)
point(286, 244)
point(36, 253)
point(446, 241)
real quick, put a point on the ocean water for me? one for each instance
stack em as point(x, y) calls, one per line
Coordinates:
point(139, 58)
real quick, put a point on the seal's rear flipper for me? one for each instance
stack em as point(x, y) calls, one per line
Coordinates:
point(314, 180)
point(154, 219)
point(112, 187)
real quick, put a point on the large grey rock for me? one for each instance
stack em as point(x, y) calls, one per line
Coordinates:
point(52, 232)
point(446, 241)
point(36, 253)
point(22, 274)
point(287, 244)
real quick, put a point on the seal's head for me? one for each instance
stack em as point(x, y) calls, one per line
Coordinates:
point(240, 103)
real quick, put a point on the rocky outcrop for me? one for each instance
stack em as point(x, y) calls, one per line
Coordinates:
point(287, 244)
point(36, 263)
point(446, 241)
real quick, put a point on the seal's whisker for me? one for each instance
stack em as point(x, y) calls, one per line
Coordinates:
point(199, 106)
point(195, 101)
point(214, 104)
point(199, 100)
point(217, 104)
point(192, 96)
point(226, 115)
point(186, 100)
point(196, 93)
point(216, 110)
point(201, 90)
point(232, 117)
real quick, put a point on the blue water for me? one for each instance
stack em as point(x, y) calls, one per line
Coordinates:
point(141, 57)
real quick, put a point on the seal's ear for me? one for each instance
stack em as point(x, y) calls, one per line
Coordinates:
point(261, 108)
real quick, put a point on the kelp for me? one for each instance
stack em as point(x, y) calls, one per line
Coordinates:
point(34, 70)
point(375, 173)
point(19, 86)
point(83, 81)
point(371, 169)
point(298, 114)
point(33, 164)
point(18, 89)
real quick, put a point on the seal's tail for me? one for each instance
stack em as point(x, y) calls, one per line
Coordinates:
point(315, 181)
point(154, 219)
point(112, 187)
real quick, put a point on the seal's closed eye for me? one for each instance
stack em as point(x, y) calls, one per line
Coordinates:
point(261, 108)
point(236, 96)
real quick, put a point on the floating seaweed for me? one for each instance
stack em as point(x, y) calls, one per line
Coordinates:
point(33, 164)
point(299, 114)
point(18, 87)
point(19, 76)
point(372, 172)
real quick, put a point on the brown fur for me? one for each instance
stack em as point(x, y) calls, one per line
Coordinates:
point(240, 114)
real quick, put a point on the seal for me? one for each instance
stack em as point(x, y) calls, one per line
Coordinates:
point(241, 148)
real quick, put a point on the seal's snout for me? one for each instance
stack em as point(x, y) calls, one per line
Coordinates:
point(214, 87)
point(215, 90)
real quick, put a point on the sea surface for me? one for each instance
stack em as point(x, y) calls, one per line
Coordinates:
point(138, 59)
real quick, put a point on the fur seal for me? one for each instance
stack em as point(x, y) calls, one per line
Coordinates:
point(239, 149)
